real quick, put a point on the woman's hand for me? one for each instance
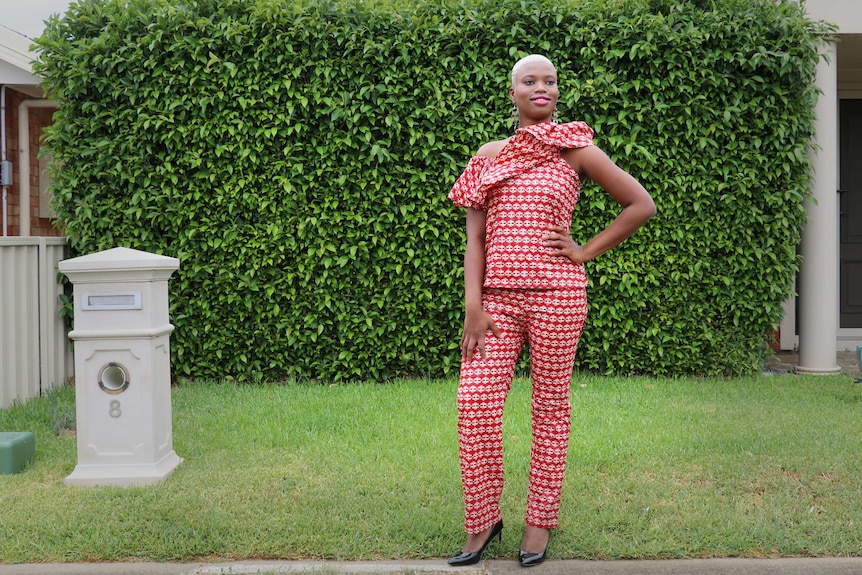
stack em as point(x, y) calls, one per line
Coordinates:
point(477, 324)
point(564, 246)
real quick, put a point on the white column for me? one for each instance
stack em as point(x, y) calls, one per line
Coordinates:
point(819, 273)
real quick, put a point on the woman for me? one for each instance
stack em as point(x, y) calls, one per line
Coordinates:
point(524, 281)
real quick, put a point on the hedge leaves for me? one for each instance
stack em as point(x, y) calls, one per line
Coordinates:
point(295, 156)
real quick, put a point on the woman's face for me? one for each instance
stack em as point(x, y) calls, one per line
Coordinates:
point(535, 92)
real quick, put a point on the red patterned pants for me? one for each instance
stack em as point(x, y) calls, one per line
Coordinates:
point(552, 321)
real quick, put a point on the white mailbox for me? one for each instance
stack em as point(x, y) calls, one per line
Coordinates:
point(122, 367)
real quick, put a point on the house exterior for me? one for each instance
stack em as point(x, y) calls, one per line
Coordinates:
point(825, 317)
point(35, 354)
point(25, 113)
point(827, 314)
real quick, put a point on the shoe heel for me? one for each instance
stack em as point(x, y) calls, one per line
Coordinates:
point(532, 559)
point(471, 558)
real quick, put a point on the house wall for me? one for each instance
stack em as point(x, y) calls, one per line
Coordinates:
point(845, 13)
point(39, 118)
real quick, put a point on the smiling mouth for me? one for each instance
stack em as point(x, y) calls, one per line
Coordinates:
point(541, 100)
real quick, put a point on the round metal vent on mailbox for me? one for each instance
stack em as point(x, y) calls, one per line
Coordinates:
point(113, 378)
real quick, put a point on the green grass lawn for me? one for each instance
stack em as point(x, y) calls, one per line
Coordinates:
point(760, 466)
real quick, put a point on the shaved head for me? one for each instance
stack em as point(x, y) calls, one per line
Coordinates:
point(528, 60)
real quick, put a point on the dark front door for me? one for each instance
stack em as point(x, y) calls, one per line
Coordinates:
point(851, 213)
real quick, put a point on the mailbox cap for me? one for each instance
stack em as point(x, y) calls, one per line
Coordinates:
point(120, 261)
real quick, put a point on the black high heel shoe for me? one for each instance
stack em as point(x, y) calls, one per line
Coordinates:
point(532, 559)
point(473, 557)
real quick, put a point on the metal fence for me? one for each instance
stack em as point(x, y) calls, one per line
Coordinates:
point(35, 352)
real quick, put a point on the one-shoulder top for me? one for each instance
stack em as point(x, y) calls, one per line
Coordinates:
point(526, 189)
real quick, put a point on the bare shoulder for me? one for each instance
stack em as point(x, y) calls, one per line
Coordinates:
point(491, 149)
point(587, 159)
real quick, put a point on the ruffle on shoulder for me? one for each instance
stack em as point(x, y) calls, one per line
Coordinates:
point(560, 136)
point(529, 147)
point(534, 145)
point(468, 191)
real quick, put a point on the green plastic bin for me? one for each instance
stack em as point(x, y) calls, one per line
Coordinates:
point(16, 450)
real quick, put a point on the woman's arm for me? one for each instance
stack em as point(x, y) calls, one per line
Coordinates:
point(477, 322)
point(638, 206)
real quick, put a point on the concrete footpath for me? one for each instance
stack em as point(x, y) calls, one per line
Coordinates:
point(801, 566)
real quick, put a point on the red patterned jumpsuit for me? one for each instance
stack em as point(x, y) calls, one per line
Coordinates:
point(532, 296)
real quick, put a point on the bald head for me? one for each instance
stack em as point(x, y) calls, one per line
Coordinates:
point(529, 60)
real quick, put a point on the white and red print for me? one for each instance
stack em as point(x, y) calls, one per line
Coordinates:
point(532, 296)
point(552, 321)
point(527, 189)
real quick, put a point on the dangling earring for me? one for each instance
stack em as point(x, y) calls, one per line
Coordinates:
point(516, 119)
point(556, 117)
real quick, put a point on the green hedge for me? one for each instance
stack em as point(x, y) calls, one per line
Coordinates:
point(296, 156)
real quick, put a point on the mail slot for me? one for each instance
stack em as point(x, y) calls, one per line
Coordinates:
point(111, 301)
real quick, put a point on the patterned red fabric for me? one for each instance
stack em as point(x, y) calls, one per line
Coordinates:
point(552, 321)
point(532, 297)
point(527, 189)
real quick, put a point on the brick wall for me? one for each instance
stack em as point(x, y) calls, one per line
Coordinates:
point(10, 121)
point(39, 118)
